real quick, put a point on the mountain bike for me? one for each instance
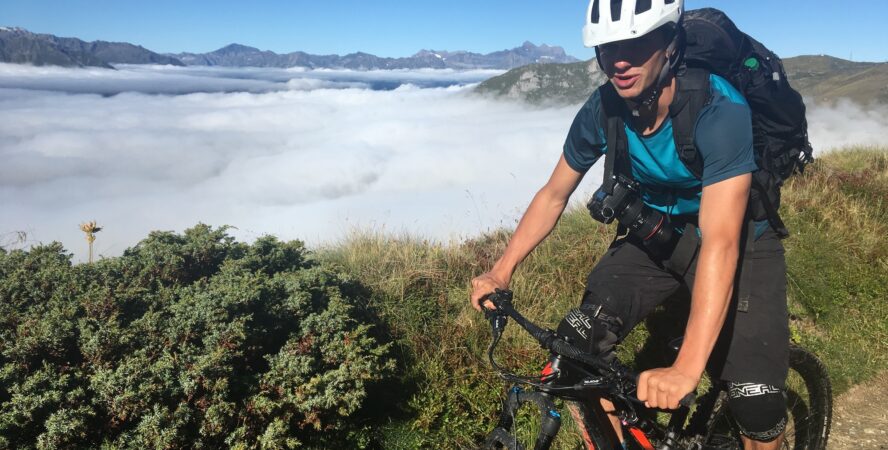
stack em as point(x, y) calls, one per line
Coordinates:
point(703, 422)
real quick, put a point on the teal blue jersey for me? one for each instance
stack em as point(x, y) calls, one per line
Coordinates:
point(722, 134)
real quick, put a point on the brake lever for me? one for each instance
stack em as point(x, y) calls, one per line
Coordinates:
point(497, 318)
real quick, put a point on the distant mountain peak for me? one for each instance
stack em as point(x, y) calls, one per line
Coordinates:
point(237, 55)
point(74, 52)
point(14, 30)
point(237, 48)
point(425, 53)
point(24, 47)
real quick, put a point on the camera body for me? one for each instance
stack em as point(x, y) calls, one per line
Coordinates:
point(626, 206)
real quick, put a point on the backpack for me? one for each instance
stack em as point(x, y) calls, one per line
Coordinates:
point(713, 44)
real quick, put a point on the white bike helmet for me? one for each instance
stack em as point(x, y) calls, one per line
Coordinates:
point(618, 20)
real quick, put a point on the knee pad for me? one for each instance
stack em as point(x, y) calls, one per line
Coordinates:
point(598, 293)
point(759, 409)
point(589, 330)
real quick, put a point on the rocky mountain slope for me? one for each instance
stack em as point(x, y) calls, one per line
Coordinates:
point(18, 45)
point(821, 78)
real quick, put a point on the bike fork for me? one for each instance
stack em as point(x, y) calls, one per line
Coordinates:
point(676, 422)
point(550, 421)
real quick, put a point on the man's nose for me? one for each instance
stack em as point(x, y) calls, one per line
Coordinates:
point(622, 65)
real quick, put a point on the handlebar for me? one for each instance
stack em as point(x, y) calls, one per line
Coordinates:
point(502, 300)
point(548, 339)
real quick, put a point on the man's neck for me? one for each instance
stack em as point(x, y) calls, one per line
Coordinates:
point(649, 119)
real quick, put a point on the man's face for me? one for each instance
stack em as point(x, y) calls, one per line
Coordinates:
point(634, 64)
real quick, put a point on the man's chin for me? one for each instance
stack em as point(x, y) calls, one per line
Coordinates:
point(629, 93)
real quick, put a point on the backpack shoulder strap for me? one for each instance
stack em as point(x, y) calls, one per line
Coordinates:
point(691, 95)
point(616, 159)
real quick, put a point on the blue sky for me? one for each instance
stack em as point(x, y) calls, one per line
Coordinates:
point(400, 28)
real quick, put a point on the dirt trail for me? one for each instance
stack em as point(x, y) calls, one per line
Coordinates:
point(860, 417)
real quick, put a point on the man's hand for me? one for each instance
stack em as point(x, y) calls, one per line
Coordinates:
point(664, 388)
point(486, 284)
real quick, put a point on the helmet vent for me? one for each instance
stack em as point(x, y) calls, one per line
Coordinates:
point(669, 2)
point(596, 14)
point(616, 9)
point(643, 5)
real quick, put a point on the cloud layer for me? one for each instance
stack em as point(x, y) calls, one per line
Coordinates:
point(306, 164)
point(172, 80)
point(302, 155)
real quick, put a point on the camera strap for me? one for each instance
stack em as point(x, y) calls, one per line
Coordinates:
point(615, 159)
point(609, 157)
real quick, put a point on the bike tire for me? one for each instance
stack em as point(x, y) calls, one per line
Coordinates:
point(809, 408)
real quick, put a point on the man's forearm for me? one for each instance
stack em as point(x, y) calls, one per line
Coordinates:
point(713, 287)
point(537, 222)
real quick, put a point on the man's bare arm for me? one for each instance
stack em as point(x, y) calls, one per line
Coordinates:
point(722, 213)
point(537, 222)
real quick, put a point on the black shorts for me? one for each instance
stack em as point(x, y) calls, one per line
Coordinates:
point(629, 283)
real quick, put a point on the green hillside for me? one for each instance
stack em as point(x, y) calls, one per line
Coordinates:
point(826, 78)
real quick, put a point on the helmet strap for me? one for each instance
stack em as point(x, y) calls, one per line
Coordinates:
point(646, 102)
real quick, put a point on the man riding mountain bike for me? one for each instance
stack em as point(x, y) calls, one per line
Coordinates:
point(683, 230)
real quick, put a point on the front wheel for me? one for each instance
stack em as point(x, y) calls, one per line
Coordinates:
point(808, 407)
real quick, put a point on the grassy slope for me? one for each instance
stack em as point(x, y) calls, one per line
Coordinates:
point(838, 273)
point(826, 78)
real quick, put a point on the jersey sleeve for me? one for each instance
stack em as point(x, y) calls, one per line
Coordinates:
point(723, 137)
point(585, 141)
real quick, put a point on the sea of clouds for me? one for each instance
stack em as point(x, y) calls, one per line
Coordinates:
point(299, 154)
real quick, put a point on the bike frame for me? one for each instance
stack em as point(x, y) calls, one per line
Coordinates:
point(575, 376)
point(592, 418)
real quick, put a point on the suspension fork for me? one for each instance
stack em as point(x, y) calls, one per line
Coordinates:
point(673, 430)
point(550, 418)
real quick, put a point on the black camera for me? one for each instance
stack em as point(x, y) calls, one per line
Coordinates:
point(625, 205)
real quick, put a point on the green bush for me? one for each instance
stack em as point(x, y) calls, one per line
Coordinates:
point(189, 340)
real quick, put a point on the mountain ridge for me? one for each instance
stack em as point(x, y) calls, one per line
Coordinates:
point(18, 45)
point(822, 78)
point(237, 55)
